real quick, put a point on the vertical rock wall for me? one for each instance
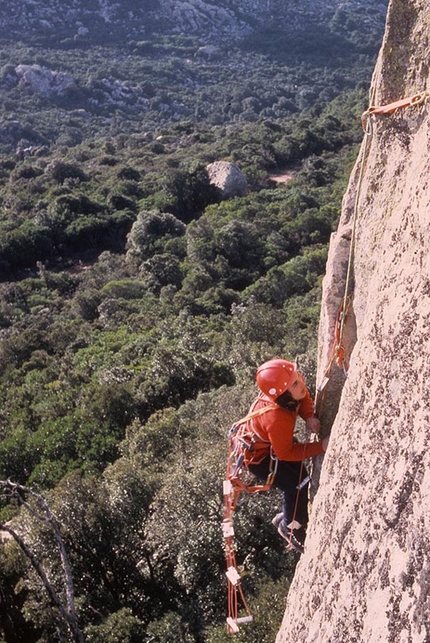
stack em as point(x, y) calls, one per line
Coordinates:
point(365, 573)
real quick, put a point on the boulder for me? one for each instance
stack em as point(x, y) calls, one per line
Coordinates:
point(228, 178)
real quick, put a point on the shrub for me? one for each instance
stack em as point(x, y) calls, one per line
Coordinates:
point(59, 171)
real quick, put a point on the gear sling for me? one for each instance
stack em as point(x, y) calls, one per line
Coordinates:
point(242, 437)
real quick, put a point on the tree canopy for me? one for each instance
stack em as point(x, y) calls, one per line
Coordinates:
point(136, 304)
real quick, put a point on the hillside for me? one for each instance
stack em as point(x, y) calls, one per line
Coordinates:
point(73, 108)
point(130, 19)
point(107, 69)
point(136, 300)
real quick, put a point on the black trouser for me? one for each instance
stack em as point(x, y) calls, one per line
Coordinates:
point(288, 477)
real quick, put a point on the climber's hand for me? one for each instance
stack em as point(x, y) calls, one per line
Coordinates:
point(313, 424)
point(325, 442)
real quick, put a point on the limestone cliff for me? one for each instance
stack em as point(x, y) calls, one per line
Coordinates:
point(365, 573)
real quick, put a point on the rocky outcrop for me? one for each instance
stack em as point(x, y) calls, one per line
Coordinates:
point(44, 81)
point(226, 19)
point(365, 572)
point(228, 178)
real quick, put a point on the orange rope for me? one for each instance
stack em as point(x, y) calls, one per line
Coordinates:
point(337, 353)
point(231, 496)
point(233, 486)
point(391, 108)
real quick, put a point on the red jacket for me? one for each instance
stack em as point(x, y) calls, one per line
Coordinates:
point(275, 429)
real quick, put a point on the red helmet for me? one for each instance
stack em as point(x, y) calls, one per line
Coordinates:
point(275, 376)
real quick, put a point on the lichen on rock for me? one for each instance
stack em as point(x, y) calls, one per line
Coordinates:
point(367, 552)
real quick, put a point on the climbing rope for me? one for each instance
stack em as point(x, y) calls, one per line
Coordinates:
point(237, 480)
point(338, 353)
point(391, 108)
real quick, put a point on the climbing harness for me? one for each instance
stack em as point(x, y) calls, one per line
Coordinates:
point(242, 437)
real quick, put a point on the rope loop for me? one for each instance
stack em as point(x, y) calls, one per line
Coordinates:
point(367, 126)
point(392, 108)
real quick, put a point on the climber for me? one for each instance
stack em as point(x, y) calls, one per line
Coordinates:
point(274, 448)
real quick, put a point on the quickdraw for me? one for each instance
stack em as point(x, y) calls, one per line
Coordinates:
point(391, 108)
point(338, 353)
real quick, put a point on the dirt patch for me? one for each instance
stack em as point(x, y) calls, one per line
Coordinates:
point(285, 177)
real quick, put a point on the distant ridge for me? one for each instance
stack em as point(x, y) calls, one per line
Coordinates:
point(132, 19)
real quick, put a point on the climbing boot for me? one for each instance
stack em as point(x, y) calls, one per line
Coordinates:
point(277, 520)
point(296, 542)
point(295, 537)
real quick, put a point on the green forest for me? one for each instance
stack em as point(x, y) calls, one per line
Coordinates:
point(136, 304)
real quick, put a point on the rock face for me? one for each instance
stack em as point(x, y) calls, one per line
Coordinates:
point(364, 576)
point(228, 178)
